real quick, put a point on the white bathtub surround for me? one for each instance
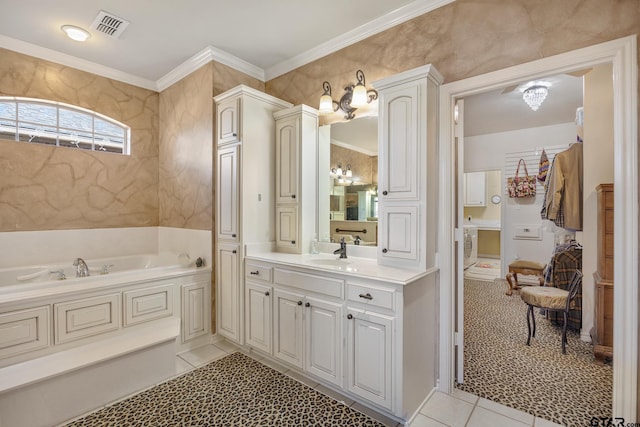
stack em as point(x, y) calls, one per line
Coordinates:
point(99, 337)
point(19, 248)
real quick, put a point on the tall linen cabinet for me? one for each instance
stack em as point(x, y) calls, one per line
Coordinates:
point(408, 167)
point(245, 199)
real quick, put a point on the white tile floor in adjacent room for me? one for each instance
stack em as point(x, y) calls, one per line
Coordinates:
point(456, 409)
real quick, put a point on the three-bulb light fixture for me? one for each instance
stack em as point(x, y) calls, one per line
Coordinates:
point(344, 175)
point(355, 96)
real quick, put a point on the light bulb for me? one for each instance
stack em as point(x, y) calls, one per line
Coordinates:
point(359, 96)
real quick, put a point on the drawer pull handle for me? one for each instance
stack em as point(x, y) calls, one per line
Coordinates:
point(384, 251)
point(385, 192)
point(366, 296)
point(307, 304)
point(299, 302)
point(293, 196)
point(233, 235)
point(234, 134)
point(255, 273)
point(293, 242)
point(234, 251)
point(266, 294)
point(349, 316)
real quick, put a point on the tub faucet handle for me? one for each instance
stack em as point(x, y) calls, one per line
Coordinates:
point(60, 273)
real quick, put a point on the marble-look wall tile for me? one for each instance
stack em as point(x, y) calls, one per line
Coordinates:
point(464, 39)
point(54, 188)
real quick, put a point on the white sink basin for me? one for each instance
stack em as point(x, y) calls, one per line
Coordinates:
point(330, 261)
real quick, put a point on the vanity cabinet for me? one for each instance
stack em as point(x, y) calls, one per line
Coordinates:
point(475, 189)
point(408, 167)
point(296, 175)
point(258, 318)
point(307, 326)
point(369, 367)
point(245, 208)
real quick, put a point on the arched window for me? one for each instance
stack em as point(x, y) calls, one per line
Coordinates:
point(55, 123)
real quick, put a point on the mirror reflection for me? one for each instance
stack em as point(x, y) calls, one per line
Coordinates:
point(348, 193)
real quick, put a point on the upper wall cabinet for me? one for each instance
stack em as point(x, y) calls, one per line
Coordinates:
point(475, 189)
point(407, 139)
point(245, 198)
point(296, 188)
point(229, 121)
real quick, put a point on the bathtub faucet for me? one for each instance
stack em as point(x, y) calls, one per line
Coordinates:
point(81, 268)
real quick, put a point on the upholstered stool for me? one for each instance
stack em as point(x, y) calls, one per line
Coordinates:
point(551, 299)
point(524, 267)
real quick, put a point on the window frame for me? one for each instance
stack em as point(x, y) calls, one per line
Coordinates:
point(61, 133)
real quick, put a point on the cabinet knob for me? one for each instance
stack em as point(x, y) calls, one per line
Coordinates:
point(366, 296)
point(384, 251)
point(293, 242)
point(293, 196)
point(266, 294)
point(233, 235)
point(299, 302)
point(385, 192)
point(349, 316)
point(234, 134)
point(234, 251)
point(255, 273)
point(307, 304)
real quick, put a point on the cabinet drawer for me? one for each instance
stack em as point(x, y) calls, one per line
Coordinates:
point(147, 304)
point(309, 282)
point(86, 317)
point(377, 297)
point(258, 272)
point(24, 330)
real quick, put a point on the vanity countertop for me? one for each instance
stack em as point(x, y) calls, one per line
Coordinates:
point(352, 266)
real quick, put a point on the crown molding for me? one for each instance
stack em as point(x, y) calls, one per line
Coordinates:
point(203, 57)
point(74, 62)
point(376, 26)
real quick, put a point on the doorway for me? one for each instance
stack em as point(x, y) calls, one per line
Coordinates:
point(621, 54)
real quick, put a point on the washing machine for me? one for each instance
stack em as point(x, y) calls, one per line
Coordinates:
point(470, 242)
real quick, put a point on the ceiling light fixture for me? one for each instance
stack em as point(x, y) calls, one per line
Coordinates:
point(355, 96)
point(76, 33)
point(535, 95)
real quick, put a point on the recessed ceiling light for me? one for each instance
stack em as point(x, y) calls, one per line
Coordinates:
point(76, 33)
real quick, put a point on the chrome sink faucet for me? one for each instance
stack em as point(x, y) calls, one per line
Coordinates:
point(82, 270)
point(343, 249)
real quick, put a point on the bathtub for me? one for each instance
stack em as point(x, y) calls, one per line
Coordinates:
point(102, 336)
point(57, 278)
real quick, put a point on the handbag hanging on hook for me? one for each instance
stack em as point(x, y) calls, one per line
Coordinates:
point(522, 186)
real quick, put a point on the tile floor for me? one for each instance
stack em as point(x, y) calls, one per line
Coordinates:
point(456, 409)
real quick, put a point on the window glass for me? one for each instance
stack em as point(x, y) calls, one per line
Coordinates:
point(54, 123)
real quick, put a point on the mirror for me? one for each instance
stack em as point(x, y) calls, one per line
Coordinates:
point(348, 181)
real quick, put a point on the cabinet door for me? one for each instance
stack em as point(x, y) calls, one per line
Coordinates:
point(287, 227)
point(287, 327)
point(475, 188)
point(195, 321)
point(323, 339)
point(399, 232)
point(369, 344)
point(400, 154)
point(228, 288)
point(228, 200)
point(287, 152)
point(229, 121)
point(258, 316)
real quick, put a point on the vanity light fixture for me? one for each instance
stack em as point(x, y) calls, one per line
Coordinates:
point(535, 94)
point(355, 96)
point(76, 33)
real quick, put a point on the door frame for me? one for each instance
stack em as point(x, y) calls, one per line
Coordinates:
point(622, 54)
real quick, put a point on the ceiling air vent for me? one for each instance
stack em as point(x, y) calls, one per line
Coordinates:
point(109, 24)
